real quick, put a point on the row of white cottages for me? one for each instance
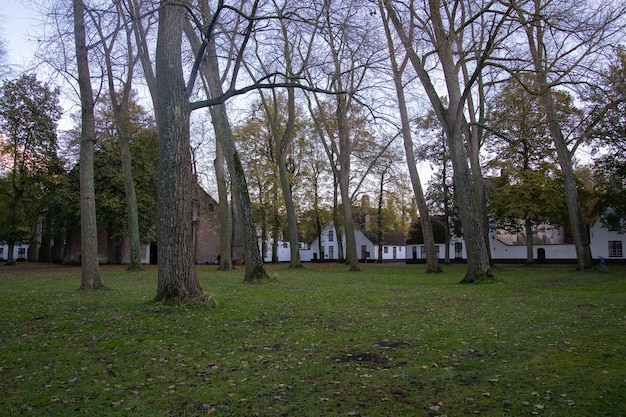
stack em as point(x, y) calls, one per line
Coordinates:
point(604, 243)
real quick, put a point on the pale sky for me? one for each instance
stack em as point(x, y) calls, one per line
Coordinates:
point(17, 25)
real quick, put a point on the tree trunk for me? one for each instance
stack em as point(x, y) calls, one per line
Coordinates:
point(226, 259)
point(528, 226)
point(220, 125)
point(283, 145)
point(478, 265)
point(343, 131)
point(577, 221)
point(177, 280)
point(535, 35)
point(432, 258)
point(453, 122)
point(380, 219)
point(90, 272)
point(255, 273)
point(10, 257)
point(131, 195)
point(446, 200)
point(121, 116)
point(275, 229)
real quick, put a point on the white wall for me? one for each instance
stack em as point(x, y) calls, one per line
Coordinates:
point(19, 252)
point(331, 248)
point(600, 238)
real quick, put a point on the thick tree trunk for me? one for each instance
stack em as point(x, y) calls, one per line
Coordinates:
point(177, 280)
point(10, 257)
point(478, 265)
point(479, 186)
point(90, 272)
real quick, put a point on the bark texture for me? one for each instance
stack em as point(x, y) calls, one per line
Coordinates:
point(90, 272)
point(176, 272)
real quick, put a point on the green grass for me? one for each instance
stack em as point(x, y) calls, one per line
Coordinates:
point(387, 341)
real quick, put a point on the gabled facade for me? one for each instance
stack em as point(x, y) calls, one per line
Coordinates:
point(329, 244)
point(325, 248)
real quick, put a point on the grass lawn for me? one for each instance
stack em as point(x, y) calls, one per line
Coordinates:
point(387, 341)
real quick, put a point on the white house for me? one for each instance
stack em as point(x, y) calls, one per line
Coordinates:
point(19, 252)
point(394, 248)
point(607, 243)
point(330, 247)
point(604, 242)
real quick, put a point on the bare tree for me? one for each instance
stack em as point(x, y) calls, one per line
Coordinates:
point(443, 27)
point(351, 51)
point(222, 129)
point(177, 274)
point(255, 273)
point(109, 34)
point(90, 272)
point(294, 61)
point(432, 258)
point(564, 38)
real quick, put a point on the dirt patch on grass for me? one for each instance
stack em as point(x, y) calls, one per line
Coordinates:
point(391, 345)
point(363, 357)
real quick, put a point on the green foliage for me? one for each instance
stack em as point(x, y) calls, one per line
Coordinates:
point(110, 197)
point(319, 341)
point(29, 111)
point(527, 183)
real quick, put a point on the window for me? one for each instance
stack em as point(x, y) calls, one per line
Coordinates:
point(285, 245)
point(21, 252)
point(436, 249)
point(331, 235)
point(385, 249)
point(458, 250)
point(615, 249)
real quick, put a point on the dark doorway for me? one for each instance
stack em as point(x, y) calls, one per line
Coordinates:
point(541, 255)
point(154, 255)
